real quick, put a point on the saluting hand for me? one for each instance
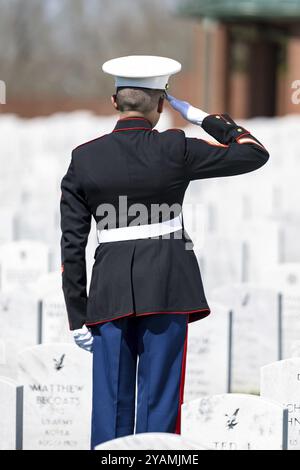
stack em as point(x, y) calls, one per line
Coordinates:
point(83, 338)
point(187, 111)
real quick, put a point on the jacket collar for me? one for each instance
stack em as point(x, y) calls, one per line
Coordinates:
point(132, 123)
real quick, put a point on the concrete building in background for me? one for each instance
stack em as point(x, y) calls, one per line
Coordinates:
point(247, 55)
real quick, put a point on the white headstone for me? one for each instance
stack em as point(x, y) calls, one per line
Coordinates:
point(150, 441)
point(11, 409)
point(207, 363)
point(55, 327)
point(21, 264)
point(235, 422)
point(7, 217)
point(290, 321)
point(221, 261)
point(295, 349)
point(280, 381)
point(261, 239)
point(254, 332)
point(35, 221)
point(57, 397)
point(286, 279)
point(19, 328)
point(290, 234)
point(54, 319)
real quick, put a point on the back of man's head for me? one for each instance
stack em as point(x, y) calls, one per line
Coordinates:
point(143, 100)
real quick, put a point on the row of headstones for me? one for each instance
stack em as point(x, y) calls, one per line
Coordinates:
point(49, 406)
point(256, 327)
point(36, 203)
point(23, 263)
point(247, 259)
point(30, 214)
point(252, 256)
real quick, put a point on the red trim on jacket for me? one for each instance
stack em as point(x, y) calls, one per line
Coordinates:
point(89, 141)
point(132, 128)
point(183, 311)
point(182, 382)
point(128, 118)
point(250, 140)
point(242, 135)
point(214, 143)
point(148, 313)
point(104, 321)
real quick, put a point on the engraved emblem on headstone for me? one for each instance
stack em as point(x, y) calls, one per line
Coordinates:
point(235, 421)
point(292, 278)
point(58, 363)
point(231, 419)
point(57, 381)
point(245, 300)
point(4, 304)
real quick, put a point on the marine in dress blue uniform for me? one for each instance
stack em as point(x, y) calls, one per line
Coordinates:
point(143, 292)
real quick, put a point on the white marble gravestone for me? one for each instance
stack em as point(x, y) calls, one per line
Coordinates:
point(235, 422)
point(11, 410)
point(254, 332)
point(207, 363)
point(19, 328)
point(49, 282)
point(261, 240)
point(150, 441)
point(290, 234)
point(54, 325)
point(290, 321)
point(280, 381)
point(286, 279)
point(21, 264)
point(57, 397)
point(295, 349)
point(221, 261)
point(7, 217)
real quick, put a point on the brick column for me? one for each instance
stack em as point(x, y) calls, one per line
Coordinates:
point(211, 54)
point(293, 67)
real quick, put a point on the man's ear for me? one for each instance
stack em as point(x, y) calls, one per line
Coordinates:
point(114, 101)
point(160, 105)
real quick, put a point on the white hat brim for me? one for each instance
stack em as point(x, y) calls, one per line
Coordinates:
point(142, 70)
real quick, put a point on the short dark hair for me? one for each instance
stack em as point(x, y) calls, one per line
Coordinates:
point(139, 99)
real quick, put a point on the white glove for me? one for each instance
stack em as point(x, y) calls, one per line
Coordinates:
point(187, 111)
point(83, 338)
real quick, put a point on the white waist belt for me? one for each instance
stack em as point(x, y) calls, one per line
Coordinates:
point(139, 231)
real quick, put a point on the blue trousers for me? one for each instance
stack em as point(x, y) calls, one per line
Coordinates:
point(146, 354)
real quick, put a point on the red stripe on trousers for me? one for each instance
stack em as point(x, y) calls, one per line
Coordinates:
point(182, 381)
